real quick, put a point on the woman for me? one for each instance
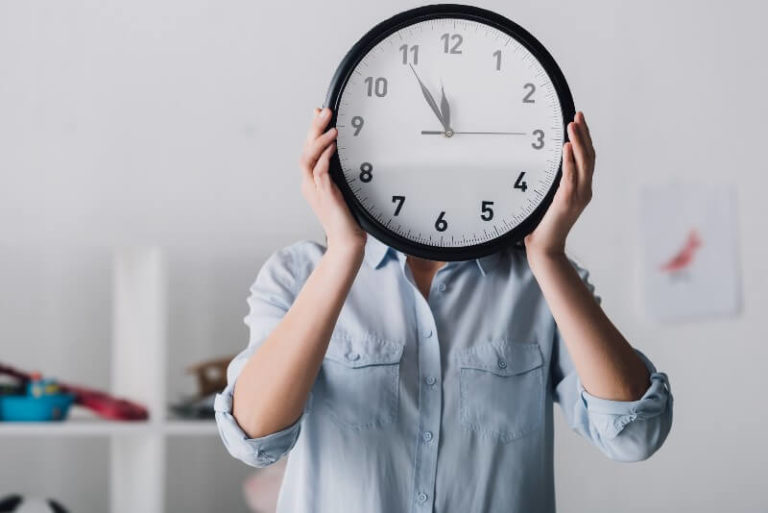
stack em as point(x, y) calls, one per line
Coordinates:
point(401, 384)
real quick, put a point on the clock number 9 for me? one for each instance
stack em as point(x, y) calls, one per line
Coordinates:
point(457, 40)
point(357, 124)
point(377, 86)
point(487, 214)
point(539, 142)
point(441, 224)
point(366, 172)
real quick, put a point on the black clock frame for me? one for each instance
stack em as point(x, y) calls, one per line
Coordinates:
point(372, 225)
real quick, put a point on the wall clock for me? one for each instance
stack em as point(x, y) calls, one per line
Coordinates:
point(451, 121)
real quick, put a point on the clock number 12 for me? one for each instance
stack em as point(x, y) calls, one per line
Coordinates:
point(457, 40)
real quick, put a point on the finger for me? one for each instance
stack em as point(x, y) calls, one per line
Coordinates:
point(569, 179)
point(319, 122)
point(582, 122)
point(579, 149)
point(315, 148)
point(320, 173)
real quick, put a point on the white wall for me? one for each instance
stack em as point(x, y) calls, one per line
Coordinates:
point(179, 123)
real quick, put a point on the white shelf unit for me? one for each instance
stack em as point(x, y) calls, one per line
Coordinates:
point(138, 371)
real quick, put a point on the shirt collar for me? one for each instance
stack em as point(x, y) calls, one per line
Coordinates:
point(376, 252)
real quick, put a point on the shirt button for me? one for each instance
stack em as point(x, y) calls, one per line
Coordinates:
point(352, 356)
point(502, 364)
point(442, 287)
point(427, 435)
point(427, 333)
point(430, 380)
point(422, 497)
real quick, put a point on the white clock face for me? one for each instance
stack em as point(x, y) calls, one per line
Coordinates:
point(450, 132)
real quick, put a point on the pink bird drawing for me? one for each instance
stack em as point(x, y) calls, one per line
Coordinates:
point(684, 257)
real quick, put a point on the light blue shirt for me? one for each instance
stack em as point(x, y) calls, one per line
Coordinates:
point(442, 404)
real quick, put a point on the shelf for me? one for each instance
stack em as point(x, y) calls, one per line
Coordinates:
point(190, 427)
point(96, 427)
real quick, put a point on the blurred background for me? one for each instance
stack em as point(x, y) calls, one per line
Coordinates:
point(177, 124)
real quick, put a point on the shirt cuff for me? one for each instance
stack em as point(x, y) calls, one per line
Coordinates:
point(260, 451)
point(613, 416)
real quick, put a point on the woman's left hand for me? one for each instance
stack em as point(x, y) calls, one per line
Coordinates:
point(572, 196)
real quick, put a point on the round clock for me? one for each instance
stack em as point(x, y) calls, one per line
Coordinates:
point(451, 121)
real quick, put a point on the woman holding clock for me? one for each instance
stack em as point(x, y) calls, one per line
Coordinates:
point(393, 333)
point(404, 383)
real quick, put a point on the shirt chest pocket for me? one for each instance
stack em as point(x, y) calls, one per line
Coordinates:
point(501, 389)
point(358, 383)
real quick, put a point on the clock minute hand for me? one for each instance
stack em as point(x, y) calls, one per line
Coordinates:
point(440, 132)
point(430, 99)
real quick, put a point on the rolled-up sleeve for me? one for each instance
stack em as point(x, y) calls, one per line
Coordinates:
point(271, 295)
point(622, 430)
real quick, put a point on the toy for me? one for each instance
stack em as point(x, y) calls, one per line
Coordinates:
point(101, 403)
point(211, 378)
point(43, 401)
point(18, 504)
point(211, 375)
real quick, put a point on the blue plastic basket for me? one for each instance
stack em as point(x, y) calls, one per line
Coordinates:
point(23, 408)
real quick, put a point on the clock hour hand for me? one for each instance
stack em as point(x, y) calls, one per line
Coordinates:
point(430, 100)
point(445, 110)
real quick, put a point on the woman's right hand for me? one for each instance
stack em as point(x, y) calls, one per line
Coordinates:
point(317, 187)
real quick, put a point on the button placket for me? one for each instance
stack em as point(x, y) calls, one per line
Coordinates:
point(430, 405)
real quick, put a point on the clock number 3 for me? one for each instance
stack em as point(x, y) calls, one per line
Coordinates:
point(441, 224)
point(539, 142)
point(366, 172)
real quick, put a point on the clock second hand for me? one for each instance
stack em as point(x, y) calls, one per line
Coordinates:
point(442, 132)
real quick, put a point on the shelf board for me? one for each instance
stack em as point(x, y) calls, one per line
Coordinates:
point(98, 427)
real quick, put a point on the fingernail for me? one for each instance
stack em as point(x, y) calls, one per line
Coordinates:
point(322, 112)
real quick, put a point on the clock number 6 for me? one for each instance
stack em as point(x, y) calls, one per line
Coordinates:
point(441, 224)
point(399, 200)
point(366, 172)
point(487, 214)
point(539, 143)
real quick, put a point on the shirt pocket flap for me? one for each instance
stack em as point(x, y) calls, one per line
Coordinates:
point(361, 351)
point(502, 357)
